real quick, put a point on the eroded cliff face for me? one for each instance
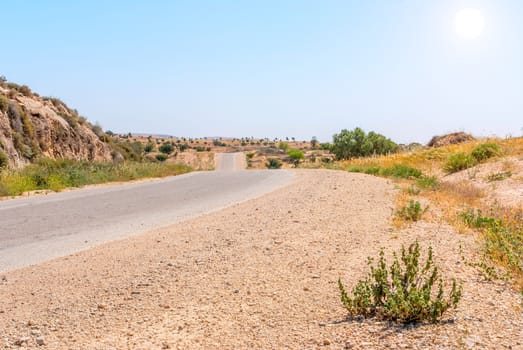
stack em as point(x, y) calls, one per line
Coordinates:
point(33, 127)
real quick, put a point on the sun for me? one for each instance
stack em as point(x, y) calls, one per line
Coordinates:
point(469, 23)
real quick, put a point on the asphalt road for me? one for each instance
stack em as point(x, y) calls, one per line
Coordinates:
point(39, 228)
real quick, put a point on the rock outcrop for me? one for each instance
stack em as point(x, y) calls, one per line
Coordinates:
point(450, 139)
point(33, 127)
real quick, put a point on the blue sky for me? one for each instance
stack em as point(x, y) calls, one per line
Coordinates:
point(272, 68)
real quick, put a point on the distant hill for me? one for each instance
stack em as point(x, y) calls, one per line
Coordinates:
point(32, 126)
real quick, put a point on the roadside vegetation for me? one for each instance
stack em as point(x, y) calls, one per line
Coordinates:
point(402, 292)
point(423, 173)
point(56, 175)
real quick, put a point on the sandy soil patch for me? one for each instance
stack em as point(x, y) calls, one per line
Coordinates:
point(501, 180)
point(261, 274)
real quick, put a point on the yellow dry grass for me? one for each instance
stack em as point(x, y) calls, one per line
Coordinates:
point(431, 160)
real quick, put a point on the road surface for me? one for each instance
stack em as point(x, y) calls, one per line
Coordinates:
point(39, 228)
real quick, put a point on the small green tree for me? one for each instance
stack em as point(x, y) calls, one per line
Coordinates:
point(356, 143)
point(314, 142)
point(296, 156)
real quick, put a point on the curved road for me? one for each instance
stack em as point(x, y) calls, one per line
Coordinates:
point(36, 229)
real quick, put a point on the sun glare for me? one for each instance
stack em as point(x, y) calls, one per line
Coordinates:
point(469, 23)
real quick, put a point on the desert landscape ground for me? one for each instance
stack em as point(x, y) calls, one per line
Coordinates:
point(261, 274)
point(261, 175)
point(242, 254)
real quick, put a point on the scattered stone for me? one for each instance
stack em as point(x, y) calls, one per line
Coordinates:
point(40, 341)
point(21, 341)
point(327, 341)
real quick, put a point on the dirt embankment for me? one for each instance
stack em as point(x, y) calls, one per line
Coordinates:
point(261, 274)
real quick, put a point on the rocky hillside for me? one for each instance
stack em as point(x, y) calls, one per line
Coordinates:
point(32, 126)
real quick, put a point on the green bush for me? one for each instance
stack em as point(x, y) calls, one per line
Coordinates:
point(162, 157)
point(283, 146)
point(296, 156)
point(356, 143)
point(398, 171)
point(412, 211)
point(149, 147)
point(273, 163)
point(403, 292)
point(401, 171)
point(503, 238)
point(476, 219)
point(485, 151)
point(459, 161)
point(166, 148)
point(428, 182)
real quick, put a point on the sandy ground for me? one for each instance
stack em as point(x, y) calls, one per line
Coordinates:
point(261, 274)
point(507, 190)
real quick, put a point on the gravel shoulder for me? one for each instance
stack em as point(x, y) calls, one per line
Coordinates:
point(260, 274)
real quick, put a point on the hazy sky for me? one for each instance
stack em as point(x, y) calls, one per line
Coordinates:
point(272, 68)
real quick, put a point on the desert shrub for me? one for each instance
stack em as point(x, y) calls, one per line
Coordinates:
point(411, 212)
point(459, 161)
point(200, 149)
point(25, 90)
point(162, 157)
point(149, 147)
point(398, 171)
point(128, 150)
point(97, 129)
point(296, 156)
point(428, 182)
point(503, 238)
point(502, 175)
point(401, 171)
point(218, 143)
point(476, 219)
point(273, 163)
point(283, 146)
point(4, 103)
point(250, 155)
point(166, 148)
point(403, 292)
point(4, 160)
point(356, 143)
point(485, 151)
point(27, 125)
